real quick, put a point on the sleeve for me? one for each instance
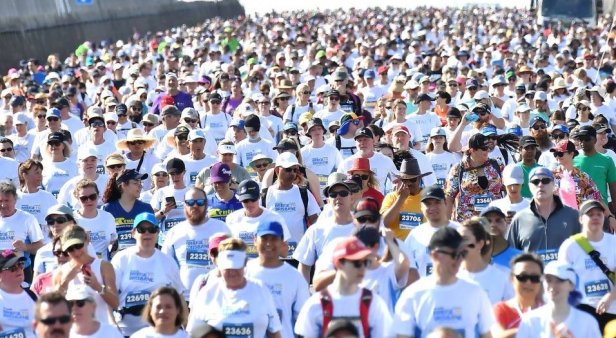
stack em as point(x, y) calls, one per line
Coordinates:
point(486, 316)
point(306, 324)
point(380, 319)
point(64, 195)
point(35, 233)
point(525, 329)
point(196, 287)
point(285, 228)
point(117, 264)
point(452, 184)
point(37, 266)
point(302, 295)
point(173, 273)
point(404, 318)
point(274, 324)
point(305, 251)
point(313, 207)
point(564, 254)
point(155, 202)
point(512, 235)
point(110, 227)
point(388, 201)
point(611, 171)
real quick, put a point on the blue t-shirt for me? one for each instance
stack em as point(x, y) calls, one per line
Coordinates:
point(124, 220)
point(219, 209)
point(504, 258)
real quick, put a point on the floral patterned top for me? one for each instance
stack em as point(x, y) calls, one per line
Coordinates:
point(585, 187)
point(469, 198)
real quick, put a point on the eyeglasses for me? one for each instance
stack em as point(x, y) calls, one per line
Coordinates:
point(334, 194)
point(525, 278)
point(53, 320)
point(53, 118)
point(583, 108)
point(147, 124)
point(115, 166)
point(367, 219)
point(182, 137)
point(334, 98)
point(306, 93)
point(481, 112)
point(143, 230)
point(136, 108)
point(558, 154)
point(540, 126)
point(453, 84)
point(111, 122)
point(74, 247)
point(291, 170)
point(42, 116)
point(544, 181)
point(5, 150)
point(54, 143)
point(363, 177)
point(135, 143)
point(17, 266)
point(261, 165)
point(199, 202)
point(92, 197)
point(283, 98)
point(249, 200)
point(214, 102)
point(57, 220)
point(60, 253)
point(454, 255)
point(191, 120)
point(163, 174)
point(559, 136)
point(78, 303)
point(358, 264)
point(97, 124)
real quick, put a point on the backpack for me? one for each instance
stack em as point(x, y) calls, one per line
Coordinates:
point(290, 119)
point(339, 144)
point(364, 308)
point(303, 192)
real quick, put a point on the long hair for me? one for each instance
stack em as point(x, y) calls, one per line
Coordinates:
point(113, 192)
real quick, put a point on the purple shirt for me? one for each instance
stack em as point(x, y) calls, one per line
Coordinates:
point(182, 100)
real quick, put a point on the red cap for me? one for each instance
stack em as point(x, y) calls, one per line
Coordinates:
point(382, 70)
point(166, 100)
point(215, 241)
point(564, 146)
point(589, 56)
point(366, 206)
point(350, 248)
point(360, 164)
point(398, 128)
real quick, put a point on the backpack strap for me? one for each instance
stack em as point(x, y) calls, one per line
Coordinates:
point(292, 113)
point(594, 255)
point(364, 309)
point(31, 294)
point(328, 309)
point(264, 196)
point(303, 191)
point(505, 155)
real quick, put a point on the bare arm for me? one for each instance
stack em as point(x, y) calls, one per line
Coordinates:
point(313, 180)
point(401, 262)
point(305, 271)
point(449, 205)
point(454, 144)
point(321, 280)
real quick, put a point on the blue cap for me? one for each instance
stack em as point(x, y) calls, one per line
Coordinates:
point(369, 74)
point(540, 171)
point(145, 217)
point(237, 123)
point(515, 130)
point(536, 119)
point(560, 127)
point(270, 228)
point(290, 126)
point(489, 130)
point(53, 112)
point(472, 83)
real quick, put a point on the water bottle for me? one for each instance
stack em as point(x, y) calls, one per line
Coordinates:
point(472, 117)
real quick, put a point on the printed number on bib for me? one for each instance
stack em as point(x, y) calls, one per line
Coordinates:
point(137, 298)
point(548, 255)
point(441, 182)
point(193, 177)
point(481, 202)
point(292, 245)
point(238, 330)
point(597, 288)
point(197, 258)
point(410, 220)
point(15, 333)
point(429, 269)
point(170, 223)
point(125, 239)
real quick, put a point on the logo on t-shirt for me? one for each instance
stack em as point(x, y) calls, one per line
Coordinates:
point(442, 314)
point(320, 161)
point(284, 207)
point(12, 314)
point(7, 235)
point(138, 276)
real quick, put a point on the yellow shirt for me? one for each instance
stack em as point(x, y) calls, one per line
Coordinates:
point(410, 214)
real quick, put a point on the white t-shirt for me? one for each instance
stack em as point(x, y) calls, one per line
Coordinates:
point(174, 216)
point(10, 170)
point(316, 238)
point(188, 245)
point(36, 204)
point(288, 288)
point(101, 229)
point(441, 163)
point(65, 196)
point(17, 315)
point(149, 160)
point(22, 146)
point(216, 124)
point(425, 305)
point(245, 228)
point(275, 123)
point(425, 122)
point(19, 226)
point(297, 112)
point(492, 280)
point(56, 174)
point(246, 312)
point(381, 165)
point(418, 241)
point(347, 146)
point(148, 332)
point(289, 205)
point(246, 150)
point(137, 277)
point(536, 324)
point(310, 321)
point(104, 331)
point(321, 161)
point(329, 116)
point(505, 205)
point(194, 167)
point(592, 283)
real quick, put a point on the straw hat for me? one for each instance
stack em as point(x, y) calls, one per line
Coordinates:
point(559, 83)
point(135, 134)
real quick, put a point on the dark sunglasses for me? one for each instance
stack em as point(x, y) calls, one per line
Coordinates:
point(191, 120)
point(214, 102)
point(334, 194)
point(363, 177)
point(358, 263)
point(163, 174)
point(42, 116)
point(306, 93)
point(53, 118)
point(182, 137)
point(291, 132)
point(60, 253)
point(74, 247)
point(147, 124)
point(261, 165)
point(78, 303)
point(53, 320)
point(134, 143)
point(545, 181)
point(199, 202)
point(283, 98)
point(54, 144)
point(112, 122)
point(249, 200)
point(115, 166)
point(558, 154)
point(5, 150)
point(143, 230)
point(57, 220)
point(136, 108)
point(17, 266)
point(334, 98)
point(291, 170)
point(367, 219)
point(537, 127)
point(481, 112)
point(92, 197)
point(559, 136)
point(525, 278)
point(454, 255)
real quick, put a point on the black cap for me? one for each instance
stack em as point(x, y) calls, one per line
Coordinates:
point(17, 100)
point(55, 137)
point(332, 92)
point(423, 97)
point(601, 127)
point(454, 112)
point(131, 174)
point(8, 258)
point(493, 210)
point(480, 106)
point(286, 144)
point(433, 192)
point(175, 165)
point(248, 190)
point(446, 237)
point(315, 122)
point(252, 122)
point(121, 109)
point(477, 141)
point(368, 235)
point(61, 102)
point(586, 131)
point(181, 130)
point(214, 96)
point(364, 132)
point(526, 141)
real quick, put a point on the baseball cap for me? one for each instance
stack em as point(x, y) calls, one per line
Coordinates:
point(20, 118)
point(248, 190)
point(170, 110)
point(350, 248)
point(589, 205)
point(560, 127)
point(423, 97)
point(564, 146)
point(270, 228)
point(286, 144)
point(364, 132)
point(85, 152)
point(535, 119)
point(368, 235)
point(195, 134)
point(369, 74)
point(55, 137)
point(540, 96)
point(220, 172)
point(540, 171)
point(145, 217)
point(286, 160)
point(79, 292)
point(237, 123)
point(231, 259)
point(561, 270)
point(131, 174)
point(438, 131)
point(513, 174)
point(334, 179)
point(73, 235)
point(8, 258)
point(433, 192)
point(289, 126)
point(60, 209)
point(586, 131)
point(492, 210)
point(175, 165)
point(366, 206)
point(53, 112)
point(214, 243)
point(225, 148)
point(400, 127)
point(527, 141)
point(446, 237)
point(489, 130)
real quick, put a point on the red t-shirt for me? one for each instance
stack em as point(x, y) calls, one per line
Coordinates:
point(507, 316)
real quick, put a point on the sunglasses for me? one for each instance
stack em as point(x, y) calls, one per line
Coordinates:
point(544, 181)
point(199, 202)
point(161, 174)
point(367, 219)
point(291, 170)
point(54, 119)
point(334, 194)
point(454, 255)
point(559, 136)
point(358, 264)
point(535, 279)
point(537, 127)
point(74, 247)
point(60, 253)
point(92, 197)
point(306, 93)
point(54, 144)
point(481, 112)
point(58, 220)
point(147, 124)
point(17, 266)
point(115, 166)
point(191, 121)
point(583, 108)
point(291, 132)
point(453, 85)
point(363, 177)
point(334, 98)
point(261, 165)
point(283, 99)
point(53, 320)
point(182, 137)
point(78, 303)
point(249, 200)
point(134, 143)
point(558, 154)
point(40, 116)
point(471, 245)
point(143, 230)
point(5, 150)
point(111, 122)
point(136, 108)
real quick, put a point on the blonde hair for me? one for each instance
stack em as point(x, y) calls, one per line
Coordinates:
point(234, 244)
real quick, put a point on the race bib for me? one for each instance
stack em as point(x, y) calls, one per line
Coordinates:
point(481, 202)
point(322, 181)
point(410, 220)
point(193, 177)
point(14, 333)
point(548, 255)
point(136, 298)
point(100, 169)
point(197, 258)
point(125, 237)
point(597, 288)
point(429, 269)
point(292, 245)
point(441, 182)
point(170, 223)
point(238, 330)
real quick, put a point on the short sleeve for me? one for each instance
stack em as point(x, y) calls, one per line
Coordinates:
point(404, 318)
point(452, 184)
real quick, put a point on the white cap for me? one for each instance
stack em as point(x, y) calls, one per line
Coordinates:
point(231, 259)
point(111, 117)
point(513, 174)
point(195, 134)
point(85, 152)
point(286, 160)
point(78, 293)
point(158, 168)
point(20, 118)
point(411, 84)
point(190, 112)
point(226, 149)
point(561, 270)
point(438, 131)
point(541, 96)
point(523, 108)
point(482, 94)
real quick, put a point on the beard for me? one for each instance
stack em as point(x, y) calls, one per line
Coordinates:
point(195, 218)
point(543, 140)
point(135, 118)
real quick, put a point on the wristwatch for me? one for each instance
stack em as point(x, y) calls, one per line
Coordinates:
point(102, 291)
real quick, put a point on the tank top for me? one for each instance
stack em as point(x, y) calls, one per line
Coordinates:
point(102, 309)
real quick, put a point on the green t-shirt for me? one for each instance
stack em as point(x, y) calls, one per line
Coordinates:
point(600, 168)
point(525, 191)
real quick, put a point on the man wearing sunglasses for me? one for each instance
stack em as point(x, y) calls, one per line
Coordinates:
point(16, 304)
point(539, 131)
point(52, 316)
point(546, 223)
point(187, 242)
point(443, 298)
